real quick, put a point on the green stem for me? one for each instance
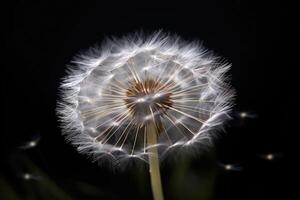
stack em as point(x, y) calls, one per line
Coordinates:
point(154, 162)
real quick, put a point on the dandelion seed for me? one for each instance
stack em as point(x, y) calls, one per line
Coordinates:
point(155, 94)
point(32, 143)
point(271, 156)
point(244, 115)
point(230, 167)
point(27, 176)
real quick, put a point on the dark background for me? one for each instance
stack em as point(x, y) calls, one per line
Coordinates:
point(42, 37)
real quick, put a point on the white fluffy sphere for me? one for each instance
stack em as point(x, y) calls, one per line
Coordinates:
point(111, 93)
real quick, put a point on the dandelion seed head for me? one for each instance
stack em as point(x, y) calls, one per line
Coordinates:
point(111, 94)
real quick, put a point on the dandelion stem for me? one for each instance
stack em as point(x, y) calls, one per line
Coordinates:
point(154, 162)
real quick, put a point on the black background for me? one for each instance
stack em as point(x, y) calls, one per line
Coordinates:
point(42, 37)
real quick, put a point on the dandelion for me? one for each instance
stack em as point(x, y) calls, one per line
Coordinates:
point(139, 97)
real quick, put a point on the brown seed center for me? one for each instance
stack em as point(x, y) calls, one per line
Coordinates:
point(147, 100)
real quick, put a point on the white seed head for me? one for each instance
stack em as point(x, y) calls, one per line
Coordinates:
point(110, 95)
